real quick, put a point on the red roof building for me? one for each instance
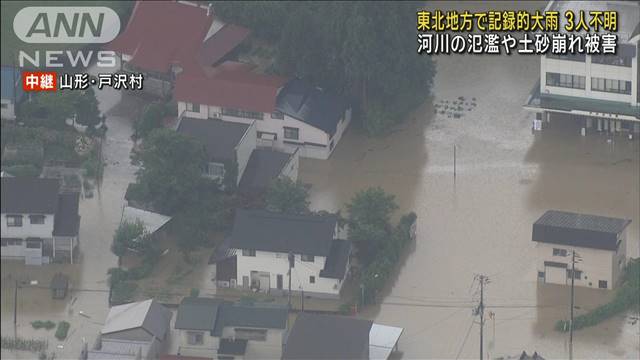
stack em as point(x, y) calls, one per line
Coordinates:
point(165, 33)
point(230, 85)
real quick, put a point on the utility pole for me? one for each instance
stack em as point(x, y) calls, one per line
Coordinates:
point(454, 162)
point(302, 297)
point(480, 311)
point(573, 277)
point(15, 311)
point(291, 260)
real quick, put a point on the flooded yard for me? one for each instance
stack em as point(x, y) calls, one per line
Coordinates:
point(480, 222)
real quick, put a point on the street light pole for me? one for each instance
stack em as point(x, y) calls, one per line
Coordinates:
point(573, 277)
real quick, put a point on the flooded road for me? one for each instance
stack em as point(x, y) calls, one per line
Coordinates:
point(86, 306)
point(506, 177)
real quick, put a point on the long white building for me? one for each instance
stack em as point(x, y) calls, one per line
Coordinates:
point(600, 92)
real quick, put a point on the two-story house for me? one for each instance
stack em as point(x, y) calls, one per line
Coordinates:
point(266, 244)
point(233, 156)
point(290, 115)
point(599, 243)
point(214, 329)
point(598, 91)
point(38, 223)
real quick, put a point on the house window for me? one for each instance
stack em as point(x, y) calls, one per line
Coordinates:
point(11, 242)
point(559, 252)
point(34, 244)
point(308, 258)
point(193, 107)
point(291, 133)
point(541, 274)
point(312, 279)
point(14, 220)
point(248, 252)
point(610, 85)
point(243, 113)
point(5, 106)
point(611, 59)
point(195, 338)
point(566, 80)
point(215, 170)
point(251, 334)
point(277, 115)
point(602, 284)
point(571, 57)
point(36, 219)
point(578, 274)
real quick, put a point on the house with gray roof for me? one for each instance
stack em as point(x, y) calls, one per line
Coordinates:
point(316, 336)
point(212, 328)
point(233, 157)
point(39, 222)
point(264, 244)
point(138, 330)
point(599, 242)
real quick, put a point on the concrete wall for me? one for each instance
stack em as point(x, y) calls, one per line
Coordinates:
point(27, 229)
point(595, 264)
point(278, 264)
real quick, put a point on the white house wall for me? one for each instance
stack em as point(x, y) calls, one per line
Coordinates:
point(278, 264)
point(27, 229)
point(209, 344)
point(307, 134)
point(271, 348)
point(589, 70)
point(595, 264)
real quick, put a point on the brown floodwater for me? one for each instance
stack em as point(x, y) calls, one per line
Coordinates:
point(481, 221)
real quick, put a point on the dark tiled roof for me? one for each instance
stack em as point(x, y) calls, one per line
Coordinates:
point(328, 337)
point(250, 316)
point(232, 347)
point(220, 138)
point(23, 195)
point(197, 314)
point(566, 228)
point(311, 105)
point(263, 167)
point(275, 232)
point(67, 220)
point(336, 264)
point(221, 43)
point(226, 269)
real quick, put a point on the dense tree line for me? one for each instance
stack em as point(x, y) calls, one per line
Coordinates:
point(366, 51)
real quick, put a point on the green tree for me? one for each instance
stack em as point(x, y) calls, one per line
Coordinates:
point(86, 108)
point(171, 170)
point(369, 214)
point(150, 119)
point(286, 196)
point(124, 236)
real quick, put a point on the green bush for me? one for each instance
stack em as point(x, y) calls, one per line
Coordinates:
point(151, 119)
point(62, 330)
point(39, 324)
point(123, 292)
point(627, 296)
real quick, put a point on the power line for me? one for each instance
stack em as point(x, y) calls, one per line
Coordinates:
point(465, 340)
